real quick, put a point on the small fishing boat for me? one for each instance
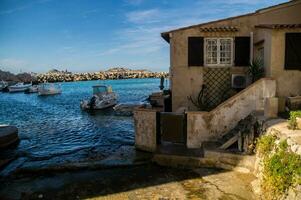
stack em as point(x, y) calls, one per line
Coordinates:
point(19, 87)
point(103, 97)
point(3, 84)
point(32, 89)
point(46, 89)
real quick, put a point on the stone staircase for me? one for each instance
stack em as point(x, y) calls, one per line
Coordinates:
point(225, 135)
point(231, 152)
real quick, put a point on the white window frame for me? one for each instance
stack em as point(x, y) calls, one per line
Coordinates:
point(218, 52)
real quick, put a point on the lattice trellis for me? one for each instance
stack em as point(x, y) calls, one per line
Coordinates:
point(217, 83)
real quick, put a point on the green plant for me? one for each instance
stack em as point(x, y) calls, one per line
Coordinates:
point(281, 171)
point(265, 144)
point(292, 122)
point(200, 102)
point(281, 167)
point(256, 69)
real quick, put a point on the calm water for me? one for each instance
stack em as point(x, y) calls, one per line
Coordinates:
point(54, 127)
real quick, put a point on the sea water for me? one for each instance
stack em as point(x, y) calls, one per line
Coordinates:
point(55, 129)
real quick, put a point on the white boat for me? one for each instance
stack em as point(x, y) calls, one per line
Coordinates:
point(32, 89)
point(103, 97)
point(19, 87)
point(3, 84)
point(49, 89)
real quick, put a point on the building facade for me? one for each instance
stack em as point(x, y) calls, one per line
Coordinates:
point(209, 54)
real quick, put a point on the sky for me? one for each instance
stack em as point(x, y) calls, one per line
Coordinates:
point(93, 35)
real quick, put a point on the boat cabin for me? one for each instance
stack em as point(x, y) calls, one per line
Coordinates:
point(99, 89)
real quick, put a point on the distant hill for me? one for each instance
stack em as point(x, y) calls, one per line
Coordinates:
point(22, 77)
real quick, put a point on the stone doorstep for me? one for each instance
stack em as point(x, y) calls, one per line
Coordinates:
point(231, 160)
point(182, 161)
point(211, 159)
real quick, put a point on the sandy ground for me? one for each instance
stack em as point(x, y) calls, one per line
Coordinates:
point(147, 181)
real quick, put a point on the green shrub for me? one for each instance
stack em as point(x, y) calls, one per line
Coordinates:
point(256, 69)
point(281, 170)
point(265, 144)
point(281, 167)
point(292, 122)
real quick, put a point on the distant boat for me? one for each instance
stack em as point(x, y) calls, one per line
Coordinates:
point(19, 87)
point(103, 97)
point(32, 89)
point(49, 89)
point(3, 84)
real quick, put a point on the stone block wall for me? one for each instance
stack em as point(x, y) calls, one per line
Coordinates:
point(210, 126)
point(145, 129)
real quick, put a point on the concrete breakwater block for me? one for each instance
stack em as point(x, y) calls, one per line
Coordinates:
point(8, 135)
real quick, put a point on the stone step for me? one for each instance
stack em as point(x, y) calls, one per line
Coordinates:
point(182, 161)
point(231, 160)
point(211, 157)
point(230, 142)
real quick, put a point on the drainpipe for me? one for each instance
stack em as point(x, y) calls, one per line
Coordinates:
point(251, 46)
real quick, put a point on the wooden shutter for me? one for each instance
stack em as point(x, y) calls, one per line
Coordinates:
point(242, 51)
point(293, 51)
point(195, 51)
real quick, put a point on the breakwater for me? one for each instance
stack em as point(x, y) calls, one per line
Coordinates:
point(114, 73)
point(65, 76)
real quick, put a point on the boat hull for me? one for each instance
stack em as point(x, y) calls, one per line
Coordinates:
point(86, 106)
point(18, 88)
point(47, 93)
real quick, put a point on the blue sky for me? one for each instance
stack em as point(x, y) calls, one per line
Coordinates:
point(93, 35)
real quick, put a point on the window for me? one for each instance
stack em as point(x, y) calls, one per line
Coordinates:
point(218, 51)
point(293, 51)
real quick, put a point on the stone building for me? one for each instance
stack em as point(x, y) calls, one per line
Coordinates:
point(209, 77)
point(228, 45)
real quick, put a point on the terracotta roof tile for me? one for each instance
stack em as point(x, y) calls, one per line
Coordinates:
point(278, 26)
point(219, 29)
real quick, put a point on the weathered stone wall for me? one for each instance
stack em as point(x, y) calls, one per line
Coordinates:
point(210, 126)
point(288, 81)
point(145, 129)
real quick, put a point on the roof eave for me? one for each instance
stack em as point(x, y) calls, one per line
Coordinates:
point(165, 36)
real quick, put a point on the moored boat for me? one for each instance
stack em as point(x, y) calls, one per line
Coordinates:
point(103, 97)
point(32, 89)
point(46, 89)
point(19, 87)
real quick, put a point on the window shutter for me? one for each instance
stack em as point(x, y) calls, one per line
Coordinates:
point(293, 51)
point(195, 51)
point(242, 51)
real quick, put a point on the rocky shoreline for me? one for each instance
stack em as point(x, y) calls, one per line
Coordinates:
point(65, 76)
point(113, 73)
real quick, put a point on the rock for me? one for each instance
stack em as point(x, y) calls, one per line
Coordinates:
point(113, 73)
point(298, 120)
point(8, 136)
point(256, 187)
point(294, 103)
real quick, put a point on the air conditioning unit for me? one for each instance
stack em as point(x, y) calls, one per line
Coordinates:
point(239, 81)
